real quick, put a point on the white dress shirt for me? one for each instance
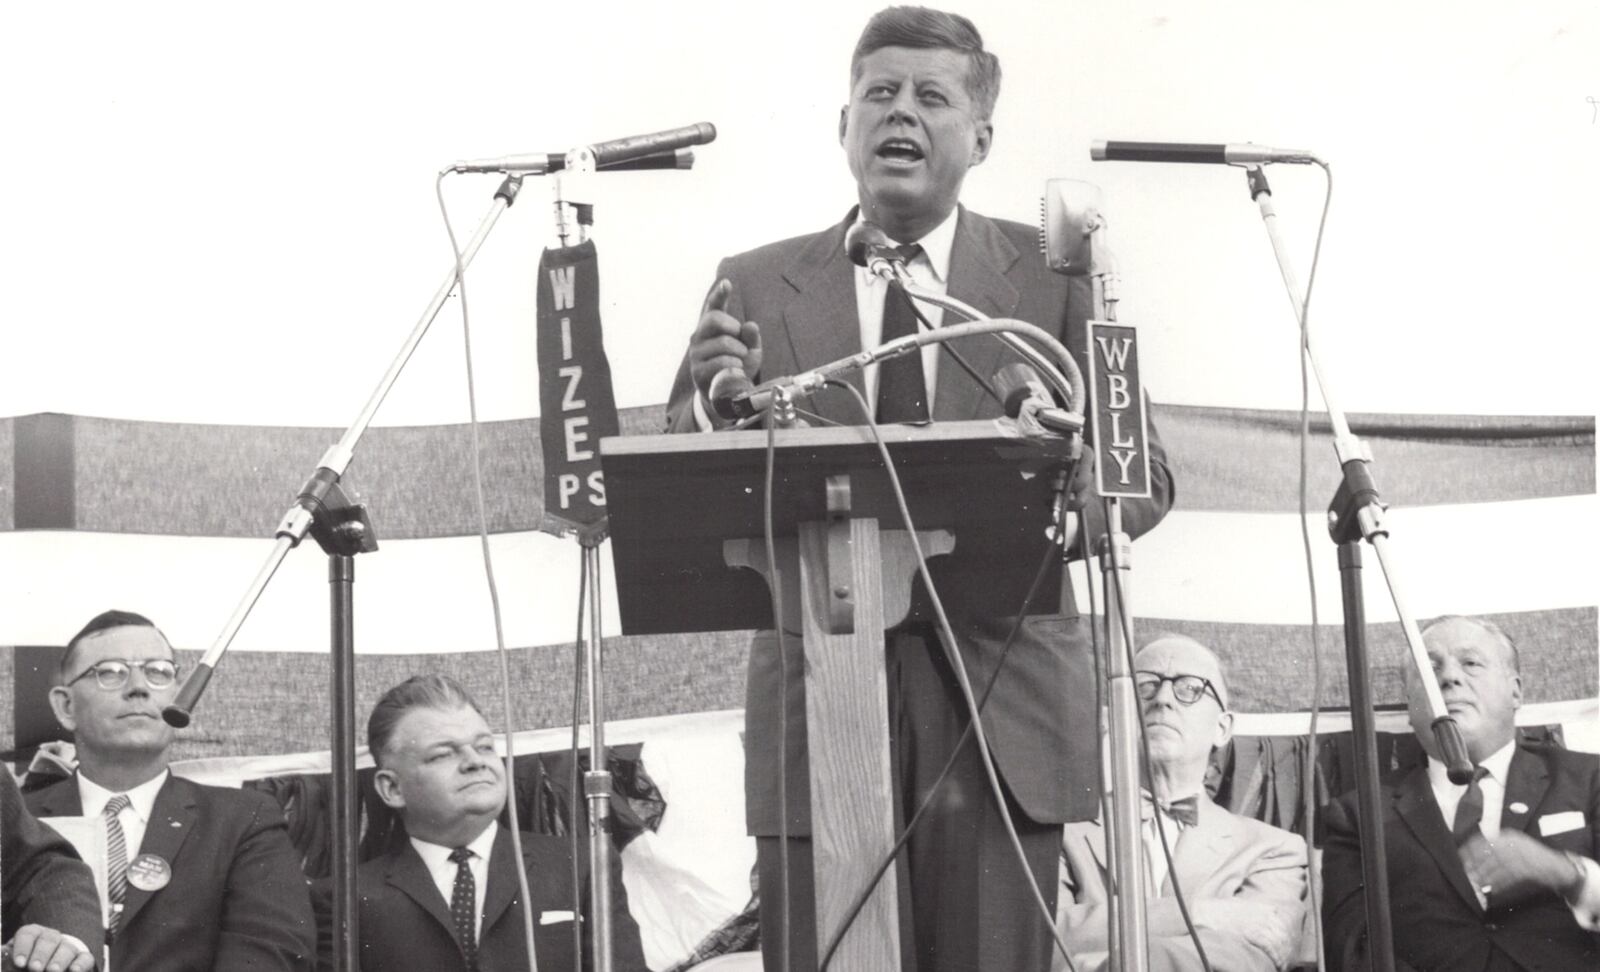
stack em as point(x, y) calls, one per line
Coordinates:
point(134, 818)
point(436, 858)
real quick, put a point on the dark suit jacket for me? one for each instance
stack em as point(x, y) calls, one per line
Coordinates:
point(404, 922)
point(1223, 855)
point(44, 882)
point(801, 292)
point(237, 898)
point(1438, 923)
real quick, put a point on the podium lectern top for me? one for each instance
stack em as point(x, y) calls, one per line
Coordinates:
point(673, 499)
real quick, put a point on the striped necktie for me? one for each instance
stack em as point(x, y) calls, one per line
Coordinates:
point(116, 858)
point(464, 906)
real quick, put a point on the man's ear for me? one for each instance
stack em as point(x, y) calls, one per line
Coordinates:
point(388, 787)
point(1224, 730)
point(61, 705)
point(983, 142)
point(844, 122)
point(1516, 692)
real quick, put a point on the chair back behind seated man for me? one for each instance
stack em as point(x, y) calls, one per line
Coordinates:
point(1243, 881)
point(1496, 874)
point(448, 897)
point(194, 877)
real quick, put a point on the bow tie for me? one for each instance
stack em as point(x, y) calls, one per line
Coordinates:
point(1185, 811)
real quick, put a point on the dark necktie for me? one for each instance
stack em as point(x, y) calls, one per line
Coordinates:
point(464, 906)
point(1184, 811)
point(902, 387)
point(116, 858)
point(1469, 812)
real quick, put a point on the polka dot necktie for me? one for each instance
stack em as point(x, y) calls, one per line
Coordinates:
point(902, 386)
point(116, 858)
point(464, 906)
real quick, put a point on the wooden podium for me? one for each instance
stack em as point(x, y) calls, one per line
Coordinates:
point(685, 510)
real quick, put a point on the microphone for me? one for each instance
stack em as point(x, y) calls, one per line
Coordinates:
point(541, 163)
point(1027, 399)
point(1070, 215)
point(1235, 154)
point(729, 392)
point(867, 245)
point(637, 146)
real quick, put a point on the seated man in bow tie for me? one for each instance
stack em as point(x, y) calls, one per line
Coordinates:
point(1498, 873)
point(448, 898)
point(1243, 881)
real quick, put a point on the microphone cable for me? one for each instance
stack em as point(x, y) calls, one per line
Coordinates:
point(1308, 779)
point(494, 589)
point(958, 666)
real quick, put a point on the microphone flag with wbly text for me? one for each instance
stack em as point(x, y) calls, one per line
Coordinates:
point(577, 407)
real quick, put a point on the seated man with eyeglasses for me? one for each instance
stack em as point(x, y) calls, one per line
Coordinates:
point(192, 877)
point(1242, 881)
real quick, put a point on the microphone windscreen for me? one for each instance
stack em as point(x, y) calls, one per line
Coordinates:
point(1016, 383)
point(726, 385)
point(860, 241)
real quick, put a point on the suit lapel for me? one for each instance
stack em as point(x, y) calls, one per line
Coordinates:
point(502, 885)
point(172, 819)
point(1527, 781)
point(410, 876)
point(1420, 812)
point(1199, 848)
point(821, 319)
point(979, 260)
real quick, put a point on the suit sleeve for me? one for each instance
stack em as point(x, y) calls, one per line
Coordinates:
point(1274, 890)
point(680, 403)
point(267, 921)
point(1344, 915)
point(44, 881)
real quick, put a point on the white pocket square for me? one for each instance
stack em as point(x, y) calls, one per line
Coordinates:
point(551, 917)
point(1560, 823)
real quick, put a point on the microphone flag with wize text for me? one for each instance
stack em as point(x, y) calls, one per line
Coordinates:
point(1119, 419)
point(577, 407)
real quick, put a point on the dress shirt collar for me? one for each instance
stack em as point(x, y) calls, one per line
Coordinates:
point(437, 856)
point(141, 799)
point(1497, 767)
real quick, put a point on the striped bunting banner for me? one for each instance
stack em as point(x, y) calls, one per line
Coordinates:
point(1490, 515)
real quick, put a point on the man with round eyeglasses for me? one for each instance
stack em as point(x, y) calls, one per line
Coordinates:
point(191, 877)
point(1243, 881)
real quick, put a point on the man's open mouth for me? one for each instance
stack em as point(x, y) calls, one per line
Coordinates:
point(900, 150)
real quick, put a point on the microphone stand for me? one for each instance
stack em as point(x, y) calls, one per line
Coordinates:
point(1356, 514)
point(343, 530)
point(597, 782)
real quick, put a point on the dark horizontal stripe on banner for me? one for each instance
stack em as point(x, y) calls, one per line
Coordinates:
point(1248, 460)
point(1269, 665)
point(237, 481)
point(261, 703)
point(268, 702)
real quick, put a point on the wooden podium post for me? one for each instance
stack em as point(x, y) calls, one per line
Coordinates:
point(685, 508)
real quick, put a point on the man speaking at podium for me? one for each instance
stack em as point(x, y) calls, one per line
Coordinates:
point(922, 91)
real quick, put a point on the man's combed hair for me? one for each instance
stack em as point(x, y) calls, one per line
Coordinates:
point(925, 28)
point(1494, 630)
point(103, 621)
point(416, 692)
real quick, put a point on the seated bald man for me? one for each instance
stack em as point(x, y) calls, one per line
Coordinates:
point(1496, 874)
point(1244, 881)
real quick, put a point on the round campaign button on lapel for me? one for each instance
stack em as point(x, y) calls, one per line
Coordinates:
point(148, 872)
